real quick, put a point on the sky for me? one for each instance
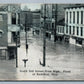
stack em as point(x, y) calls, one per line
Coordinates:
point(31, 6)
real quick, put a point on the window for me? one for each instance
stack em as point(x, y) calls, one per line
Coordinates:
point(63, 29)
point(60, 29)
point(70, 30)
point(3, 52)
point(66, 29)
point(77, 17)
point(81, 30)
point(73, 30)
point(1, 18)
point(66, 17)
point(73, 17)
point(0, 34)
point(77, 30)
point(81, 17)
point(13, 18)
point(70, 17)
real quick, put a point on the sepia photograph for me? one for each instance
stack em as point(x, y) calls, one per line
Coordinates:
point(41, 42)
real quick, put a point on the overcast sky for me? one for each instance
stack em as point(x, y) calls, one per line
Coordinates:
point(31, 6)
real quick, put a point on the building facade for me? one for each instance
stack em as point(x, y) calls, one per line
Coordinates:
point(26, 18)
point(55, 14)
point(36, 20)
point(74, 24)
point(10, 30)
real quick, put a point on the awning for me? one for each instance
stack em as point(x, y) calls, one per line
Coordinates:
point(13, 28)
point(3, 48)
point(1, 31)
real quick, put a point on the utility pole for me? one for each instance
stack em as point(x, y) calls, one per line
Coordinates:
point(55, 23)
point(25, 60)
point(44, 37)
point(16, 52)
point(26, 33)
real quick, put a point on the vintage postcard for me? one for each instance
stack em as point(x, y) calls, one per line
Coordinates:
point(41, 42)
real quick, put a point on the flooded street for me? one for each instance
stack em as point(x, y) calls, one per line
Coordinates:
point(64, 61)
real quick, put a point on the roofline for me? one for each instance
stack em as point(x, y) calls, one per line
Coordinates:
point(74, 7)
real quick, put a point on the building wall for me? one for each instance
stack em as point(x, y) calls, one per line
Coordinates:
point(74, 20)
point(4, 28)
point(74, 25)
point(28, 18)
point(36, 18)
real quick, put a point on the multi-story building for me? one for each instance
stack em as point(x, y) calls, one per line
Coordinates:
point(36, 20)
point(9, 30)
point(26, 18)
point(74, 24)
point(55, 14)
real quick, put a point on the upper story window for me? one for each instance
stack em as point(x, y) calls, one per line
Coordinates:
point(73, 17)
point(81, 17)
point(77, 17)
point(70, 17)
point(66, 17)
point(1, 18)
point(13, 18)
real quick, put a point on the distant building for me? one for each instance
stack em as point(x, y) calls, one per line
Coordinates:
point(9, 30)
point(36, 20)
point(26, 18)
point(74, 24)
point(55, 14)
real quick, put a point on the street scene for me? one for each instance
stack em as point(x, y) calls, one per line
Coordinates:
point(43, 42)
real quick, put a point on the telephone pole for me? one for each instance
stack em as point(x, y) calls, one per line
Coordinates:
point(26, 34)
point(16, 52)
point(44, 37)
point(55, 38)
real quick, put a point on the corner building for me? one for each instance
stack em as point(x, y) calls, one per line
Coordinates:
point(74, 24)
